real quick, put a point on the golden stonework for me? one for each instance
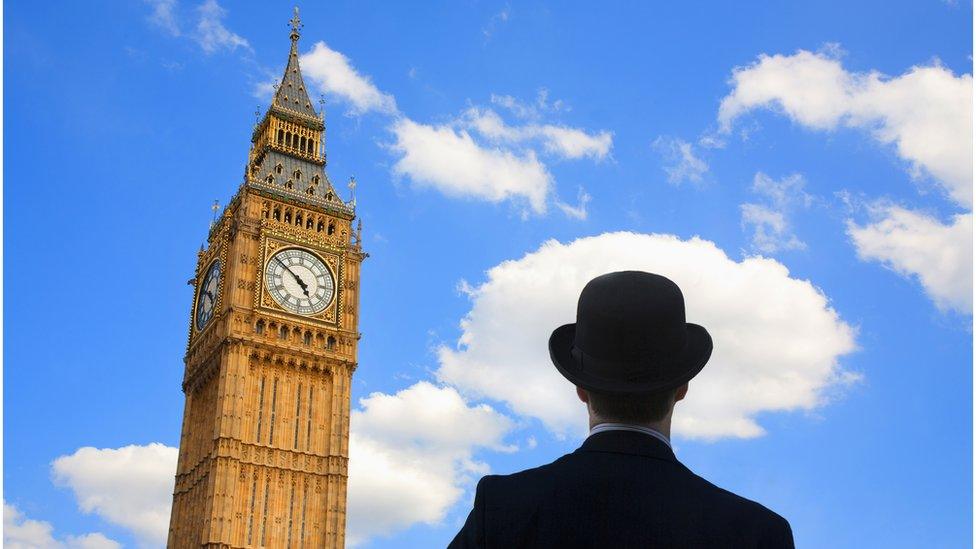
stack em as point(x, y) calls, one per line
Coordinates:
point(264, 449)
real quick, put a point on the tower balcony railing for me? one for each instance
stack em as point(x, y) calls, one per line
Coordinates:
point(295, 151)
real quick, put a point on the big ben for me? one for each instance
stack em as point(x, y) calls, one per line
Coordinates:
point(272, 348)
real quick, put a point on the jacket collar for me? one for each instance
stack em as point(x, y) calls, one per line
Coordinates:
point(627, 442)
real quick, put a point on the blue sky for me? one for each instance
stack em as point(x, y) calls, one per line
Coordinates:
point(803, 171)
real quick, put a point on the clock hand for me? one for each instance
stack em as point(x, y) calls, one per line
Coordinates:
point(297, 278)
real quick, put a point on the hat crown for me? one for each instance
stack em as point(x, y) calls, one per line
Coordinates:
point(631, 316)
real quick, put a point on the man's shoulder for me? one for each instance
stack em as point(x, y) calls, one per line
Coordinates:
point(642, 495)
point(523, 486)
point(539, 481)
point(747, 507)
point(519, 479)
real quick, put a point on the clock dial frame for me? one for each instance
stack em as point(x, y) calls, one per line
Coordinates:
point(208, 293)
point(299, 281)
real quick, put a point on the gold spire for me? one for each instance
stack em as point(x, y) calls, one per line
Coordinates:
point(296, 27)
point(291, 92)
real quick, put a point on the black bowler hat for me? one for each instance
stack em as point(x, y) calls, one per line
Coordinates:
point(630, 336)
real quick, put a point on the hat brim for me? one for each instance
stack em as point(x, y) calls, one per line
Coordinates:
point(688, 363)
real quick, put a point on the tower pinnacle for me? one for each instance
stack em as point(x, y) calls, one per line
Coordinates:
point(292, 93)
point(296, 27)
point(288, 151)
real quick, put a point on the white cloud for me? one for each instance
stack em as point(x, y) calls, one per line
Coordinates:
point(502, 164)
point(411, 454)
point(130, 486)
point(770, 229)
point(494, 22)
point(578, 211)
point(163, 16)
point(490, 125)
point(916, 244)
point(925, 113)
point(211, 34)
point(452, 162)
point(683, 164)
point(711, 140)
point(530, 111)
point(411, 457)
point(91, 541)
point(20, 532)
point(516, 107)
point(265, 89)
point(574, 143)
point(782, 193)
point(560, 141)
point(769, 221)
point(477, 155)
point(777, 340)
point(334, 75)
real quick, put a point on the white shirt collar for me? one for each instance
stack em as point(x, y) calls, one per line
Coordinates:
point(601, 427)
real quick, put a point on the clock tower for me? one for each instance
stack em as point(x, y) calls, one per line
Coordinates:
point(272, 347)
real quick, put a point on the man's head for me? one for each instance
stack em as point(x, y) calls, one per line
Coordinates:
point(642, 409)
point(630, 338)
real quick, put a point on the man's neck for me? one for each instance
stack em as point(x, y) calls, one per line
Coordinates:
point(663, 426)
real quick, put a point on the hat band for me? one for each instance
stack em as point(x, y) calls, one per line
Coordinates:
point(623, 370)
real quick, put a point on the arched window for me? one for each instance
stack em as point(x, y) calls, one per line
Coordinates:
point(298, 219)
point(287, 216)
point(319, 227)
point(302, 146)
point(270, 179)
point(331, 227)
point(288, 139)
point(283, 332)
point(289, 184)
point(315, 180)
point(259, 327)
point(281, 137)
point(298, 175)
point(330, 343)
point(311, 146)
point(277, 214)
point(309, 223)
point(278, 168)
point(307, 339)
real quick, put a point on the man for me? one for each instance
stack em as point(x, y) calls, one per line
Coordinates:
point(630, 355)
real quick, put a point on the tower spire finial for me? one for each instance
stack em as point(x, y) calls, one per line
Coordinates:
point(214, 208)
point(296, 26)
point(291, 92)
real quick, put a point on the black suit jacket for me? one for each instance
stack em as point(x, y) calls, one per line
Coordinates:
point(620, 489)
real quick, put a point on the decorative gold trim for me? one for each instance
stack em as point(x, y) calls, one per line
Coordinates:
point(196, 298)
point(216, 252)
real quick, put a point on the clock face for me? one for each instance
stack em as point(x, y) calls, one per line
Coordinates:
point(207, 295)
point(299, 281)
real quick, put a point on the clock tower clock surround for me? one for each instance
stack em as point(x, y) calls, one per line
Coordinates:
point(272, 348)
